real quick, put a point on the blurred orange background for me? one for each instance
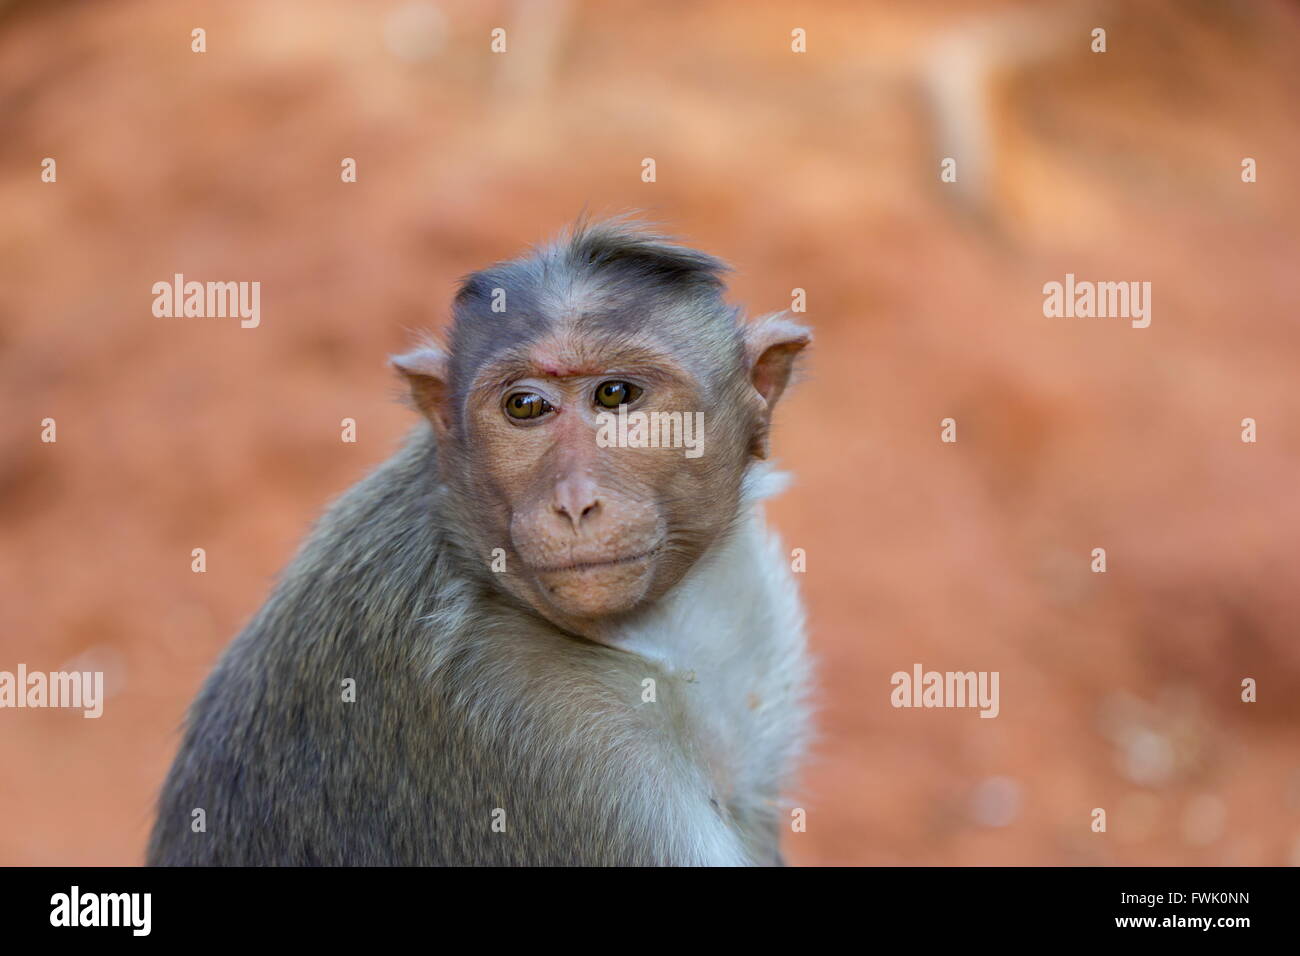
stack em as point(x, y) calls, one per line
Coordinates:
point(816, 170)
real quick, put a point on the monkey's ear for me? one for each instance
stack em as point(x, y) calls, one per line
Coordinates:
point(426, 370)
point(771, 346)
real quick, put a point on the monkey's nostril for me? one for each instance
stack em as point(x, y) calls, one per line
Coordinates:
point(576, 513)
point(575, 499)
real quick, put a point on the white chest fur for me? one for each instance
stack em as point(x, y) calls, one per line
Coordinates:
point(732, 634)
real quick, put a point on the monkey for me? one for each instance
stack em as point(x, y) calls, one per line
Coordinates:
point(512, 644)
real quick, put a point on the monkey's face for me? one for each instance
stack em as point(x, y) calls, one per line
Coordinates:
point(603, 481)
point(597, 437)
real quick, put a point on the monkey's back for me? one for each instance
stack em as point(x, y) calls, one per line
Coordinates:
point(284, 768)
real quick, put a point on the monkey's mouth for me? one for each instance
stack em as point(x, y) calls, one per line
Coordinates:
point(592, 565)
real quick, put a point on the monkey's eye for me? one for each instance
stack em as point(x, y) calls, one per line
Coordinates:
point(614, 394)
point(525, 405)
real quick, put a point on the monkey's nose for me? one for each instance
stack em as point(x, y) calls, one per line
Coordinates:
point(575, 499)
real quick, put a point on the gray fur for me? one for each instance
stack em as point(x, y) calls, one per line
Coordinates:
point(289, 774)
point(467, 700)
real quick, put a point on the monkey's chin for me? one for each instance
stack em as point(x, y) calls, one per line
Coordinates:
point(592, 592)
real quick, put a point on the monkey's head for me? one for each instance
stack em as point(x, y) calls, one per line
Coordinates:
point(595, 413)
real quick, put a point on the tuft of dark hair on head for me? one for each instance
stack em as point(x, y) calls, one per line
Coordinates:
point(631, 245)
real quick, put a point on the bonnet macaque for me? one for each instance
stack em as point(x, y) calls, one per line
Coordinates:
point(549, 630)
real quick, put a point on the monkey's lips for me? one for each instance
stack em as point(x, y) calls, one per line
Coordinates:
point(597, 587)
point(593, 564)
